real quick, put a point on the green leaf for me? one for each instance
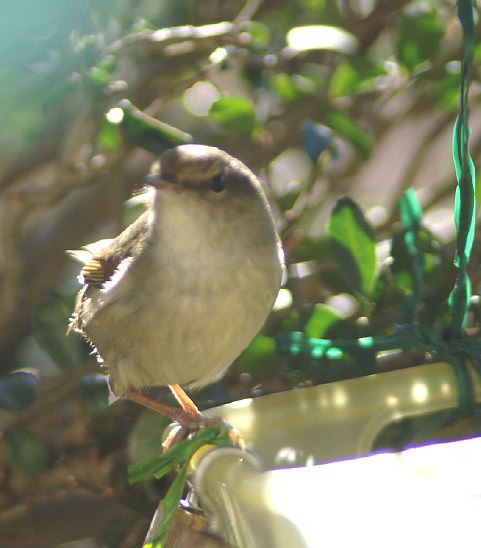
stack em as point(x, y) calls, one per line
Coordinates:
point(98, 78)
point(353, 245)
point(344, 81)
point(322, 318)
point(18, 390)
point(311, 249)
point(259, 358)
point(447, 91)
point(354, 76)
point(347, 128)
point(236, 114)
point(171, 505)
point(25, 452)
point(108, 138)
point(323, 37)
point(162, 464)
point(145, 131)
point(292, 87)
point(49, 324)
point(418, 38)
point(259, 35)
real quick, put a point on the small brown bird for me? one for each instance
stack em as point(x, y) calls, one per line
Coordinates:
point(178, 295)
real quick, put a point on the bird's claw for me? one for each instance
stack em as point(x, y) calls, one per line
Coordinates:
point(186, 428)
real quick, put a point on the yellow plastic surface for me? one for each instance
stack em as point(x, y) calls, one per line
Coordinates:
point(428, 496)
point(423, 497)
point(342, 419)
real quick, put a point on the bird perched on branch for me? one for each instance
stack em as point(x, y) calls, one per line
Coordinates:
point(180, 293)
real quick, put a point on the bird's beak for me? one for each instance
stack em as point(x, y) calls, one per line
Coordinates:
point(157, 181)
point(154, 179)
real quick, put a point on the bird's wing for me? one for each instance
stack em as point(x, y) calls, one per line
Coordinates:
point(84, 254)
point(102, 258)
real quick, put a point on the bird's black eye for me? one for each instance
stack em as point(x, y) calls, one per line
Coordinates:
point(218, 184)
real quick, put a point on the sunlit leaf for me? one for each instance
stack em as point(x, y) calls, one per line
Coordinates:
point(352, 77)
point(292, 87)
point(259, 358)
point(321, 319)
point(353, 245)
point(321, 37)
point(18, 390)
point(259, 34)
point(345, 80)
point(98, 77)
point(234, 113)
point(108, 138)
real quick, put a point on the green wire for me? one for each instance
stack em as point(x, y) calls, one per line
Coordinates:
point(465, 205)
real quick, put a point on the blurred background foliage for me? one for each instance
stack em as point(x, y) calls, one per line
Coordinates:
point(321, 98)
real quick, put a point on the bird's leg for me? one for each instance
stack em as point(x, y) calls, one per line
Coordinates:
point(179, 415)
point(189, 417)
point(186, 403)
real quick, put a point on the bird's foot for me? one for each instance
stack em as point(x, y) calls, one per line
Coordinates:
point(185, 429)
point(189, 420)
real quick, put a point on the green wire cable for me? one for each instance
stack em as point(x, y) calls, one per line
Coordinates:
point(465, 206)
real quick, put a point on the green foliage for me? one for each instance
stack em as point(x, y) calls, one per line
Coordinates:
point(309, 94)
point(109, 138)
point(353, 245)
point(178, 455)
point(354, 76)
point(322, 318)
point(347, 128)
point(234, 113)
point(260, 359)
point(292, 88)
point(418, 39)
